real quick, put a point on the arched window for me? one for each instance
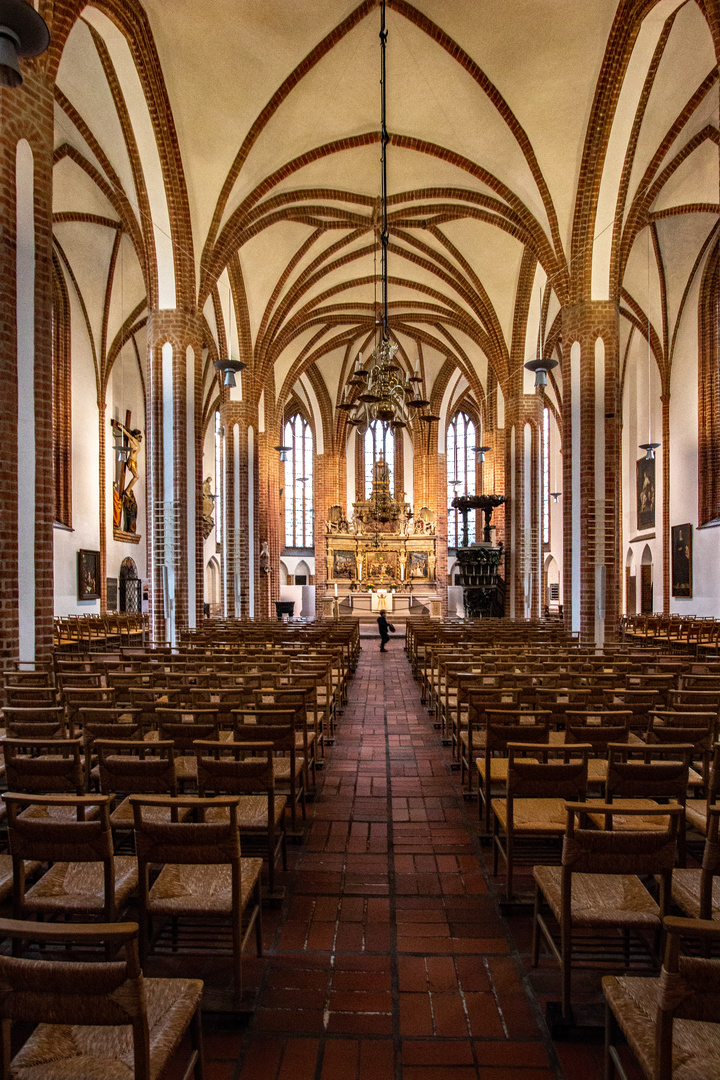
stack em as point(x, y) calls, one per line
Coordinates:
point(460, 450)
point(709, 394)
point(298, 483)
point(379, 439)
point(62, 412)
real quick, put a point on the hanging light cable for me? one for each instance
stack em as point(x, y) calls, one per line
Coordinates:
point(383, 394)
point(649, 447)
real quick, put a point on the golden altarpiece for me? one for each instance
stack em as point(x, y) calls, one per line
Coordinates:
point(384, 557)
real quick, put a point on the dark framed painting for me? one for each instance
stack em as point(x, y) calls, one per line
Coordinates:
point(344, 565)
point(112, 593)
point(682, 560)
point(88, 575)
point(646, 493)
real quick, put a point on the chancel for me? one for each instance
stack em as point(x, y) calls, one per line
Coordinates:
point(384, 558)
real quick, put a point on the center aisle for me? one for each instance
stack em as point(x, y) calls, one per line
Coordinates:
point(388, 960)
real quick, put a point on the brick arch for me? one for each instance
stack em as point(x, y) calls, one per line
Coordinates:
point(133, 24)
point(214, 260)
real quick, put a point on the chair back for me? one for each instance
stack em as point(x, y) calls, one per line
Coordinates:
point(66, 992)
point(130, 765)
point(554, 776)
point(173, 726)
point(503, 728)
point(235, 768)
point(620, 851)
point(44, 765)
point(49, 839)
point(186, 842)
point(659, 771)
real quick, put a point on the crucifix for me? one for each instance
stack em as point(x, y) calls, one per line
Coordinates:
point(127, 448)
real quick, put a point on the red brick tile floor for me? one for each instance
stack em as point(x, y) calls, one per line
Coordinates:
point(388, 959)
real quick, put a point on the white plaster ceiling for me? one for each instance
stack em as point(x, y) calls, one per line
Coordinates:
point(222, 63)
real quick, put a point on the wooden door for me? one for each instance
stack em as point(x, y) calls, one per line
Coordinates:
point(646, 589)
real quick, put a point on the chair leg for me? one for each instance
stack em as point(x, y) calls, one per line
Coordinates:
point(566, 963)
point(258, 919)
point(610, 1032)
point(196, 1038)
point(536, 927)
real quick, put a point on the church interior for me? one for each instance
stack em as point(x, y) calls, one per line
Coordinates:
point(411, 309)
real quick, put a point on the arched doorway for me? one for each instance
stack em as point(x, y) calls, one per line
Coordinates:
point(212, 588)
point(630, 585)
point(130, 596)
point(552, 604)
point(646, 582)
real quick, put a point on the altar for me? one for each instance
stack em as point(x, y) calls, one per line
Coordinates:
point(385, 552)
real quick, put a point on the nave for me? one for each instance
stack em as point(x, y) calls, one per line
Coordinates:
point(388, 958)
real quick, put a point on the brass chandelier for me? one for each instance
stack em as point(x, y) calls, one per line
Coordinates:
point(381, 392)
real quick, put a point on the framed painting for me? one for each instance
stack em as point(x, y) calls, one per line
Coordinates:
point(417, 564)
point(344, 565)
point(88, 575)
point(645, 493)
point(682, 560)
point(381, 566)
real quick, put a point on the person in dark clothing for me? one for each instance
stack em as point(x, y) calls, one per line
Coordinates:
point(384, 632)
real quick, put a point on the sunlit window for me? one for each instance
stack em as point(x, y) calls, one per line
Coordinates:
point(379, 439)
point(298, 483)
point(546, 476)
point(219, 478)
point(461, 476)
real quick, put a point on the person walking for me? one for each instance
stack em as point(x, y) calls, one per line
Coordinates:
point(383, 627)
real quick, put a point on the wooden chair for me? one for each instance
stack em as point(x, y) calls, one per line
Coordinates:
point(697, 810)
point(246, 769)
point(133, 767)
point(536, 792)
point(46, 767)
point(85, 877)
point(278, 726)
point(203, 874)
point(672, 1024)
point(637, 777)
point(502, 729)
point(184, 727)
point(697, 892)
point(598, 886)
point(94, 1020)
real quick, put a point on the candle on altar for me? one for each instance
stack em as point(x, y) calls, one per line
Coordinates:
point(336, 588)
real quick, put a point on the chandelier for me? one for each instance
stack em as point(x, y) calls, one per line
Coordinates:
point(380, 392)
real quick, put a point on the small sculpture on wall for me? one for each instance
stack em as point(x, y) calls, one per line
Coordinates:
point(265, 558)
point(208, 508)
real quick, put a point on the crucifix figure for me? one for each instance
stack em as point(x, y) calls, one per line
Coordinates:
point(124, 503)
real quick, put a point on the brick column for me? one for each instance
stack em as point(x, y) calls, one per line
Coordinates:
point(523, 427)
point(26, 534)
point(174, 474)
point(241, 523)
point(591, 470)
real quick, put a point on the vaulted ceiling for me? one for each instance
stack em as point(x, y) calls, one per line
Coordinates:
point(231, 148)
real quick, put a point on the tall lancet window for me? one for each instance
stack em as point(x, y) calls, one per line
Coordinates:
point(379, 439)
point(461, 476)
point(298, 483)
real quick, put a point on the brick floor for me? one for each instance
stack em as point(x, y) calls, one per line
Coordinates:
point(388, 959)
